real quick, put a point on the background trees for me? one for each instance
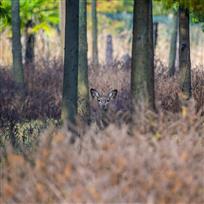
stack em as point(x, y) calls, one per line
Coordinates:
point(62, 24)
point(173, 45)
point(196, 8)
point(112, 13)
point(94, 33)
point(83, 84)
point(35, 15)
point(18, 72)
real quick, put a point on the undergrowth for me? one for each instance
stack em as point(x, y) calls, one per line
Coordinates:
point(158, 159)
point(161, 161)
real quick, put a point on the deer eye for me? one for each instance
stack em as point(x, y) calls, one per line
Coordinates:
point(108, 100)
point(99, 100)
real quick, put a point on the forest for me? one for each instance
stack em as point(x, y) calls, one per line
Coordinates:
point(102, 101)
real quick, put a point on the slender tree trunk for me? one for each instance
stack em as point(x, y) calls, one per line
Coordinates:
point(94, 34)
point(173, 45)
point(62, 24)
point(83, 85)
point(150, 77)
point(177, 49)
point(184, 52)
point(142, 73)
point(109, 50)
point(30, 43)
point(18, 72)
point(155, 33)
point(69, 101)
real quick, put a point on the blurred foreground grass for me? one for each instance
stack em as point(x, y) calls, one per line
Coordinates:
point(161, 162)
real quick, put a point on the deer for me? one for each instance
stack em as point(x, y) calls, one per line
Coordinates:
point(103, 102)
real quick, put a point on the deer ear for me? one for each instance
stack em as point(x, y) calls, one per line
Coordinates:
point(94, 93)
point(113, 94)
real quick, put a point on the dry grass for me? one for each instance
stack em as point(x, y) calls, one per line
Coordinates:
point(161, 161)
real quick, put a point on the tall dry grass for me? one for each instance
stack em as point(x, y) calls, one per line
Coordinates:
point(161, 161)
point(43, 93)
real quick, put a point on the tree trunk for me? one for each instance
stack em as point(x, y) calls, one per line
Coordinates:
point(184, 52)
point(142, 73)
point(109, 50)
point(30, 43)
point(155, 32)
point(94, 34)
point(173, 45)
point(83, 86)
point(62, 24)
point(69, 101)
point(18, 72)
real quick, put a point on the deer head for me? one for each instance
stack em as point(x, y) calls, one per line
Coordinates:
point(103, 100)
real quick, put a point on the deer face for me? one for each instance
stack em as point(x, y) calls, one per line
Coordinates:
point(103, 100)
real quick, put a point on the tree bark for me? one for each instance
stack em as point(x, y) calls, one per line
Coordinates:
point(142, 73)
point(83, 85)
point(62, 24)
point(173, 45)
point(184, 52)
point(30, 43)
point(18, 72)
point(70, 81)
point(155, 29)
point(94, 34)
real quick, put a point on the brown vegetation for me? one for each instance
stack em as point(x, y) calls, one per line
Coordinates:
point(162, 161)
